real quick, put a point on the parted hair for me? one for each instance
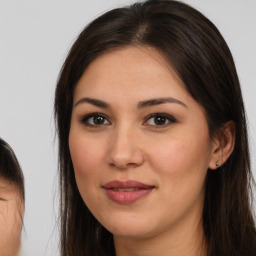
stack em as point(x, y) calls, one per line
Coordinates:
point(196, 50)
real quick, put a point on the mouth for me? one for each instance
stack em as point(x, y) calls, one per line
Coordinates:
point(125, 189)
point(127, 192)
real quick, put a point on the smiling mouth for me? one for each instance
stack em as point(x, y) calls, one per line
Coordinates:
point(127, 192)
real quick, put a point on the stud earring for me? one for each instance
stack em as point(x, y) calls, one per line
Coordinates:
point(217, 164)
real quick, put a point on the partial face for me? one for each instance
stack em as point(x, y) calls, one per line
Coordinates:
point(11, 215)
point(139, 144)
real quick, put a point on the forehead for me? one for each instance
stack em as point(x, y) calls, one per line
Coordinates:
point(9, 190)
point(136, 70)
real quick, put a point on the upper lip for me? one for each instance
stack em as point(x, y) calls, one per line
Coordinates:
point(115, 184)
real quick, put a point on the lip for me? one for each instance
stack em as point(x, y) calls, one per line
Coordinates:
point(127, 192)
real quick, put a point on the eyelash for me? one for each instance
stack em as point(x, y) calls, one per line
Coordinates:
point(166, 118)
point(170, 119)
point(85, 119)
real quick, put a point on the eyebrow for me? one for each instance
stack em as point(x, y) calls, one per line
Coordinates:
point(95, 102)
point(141, 104)
point(158, 101)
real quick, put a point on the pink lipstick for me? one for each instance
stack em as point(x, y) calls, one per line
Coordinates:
point(126, 192)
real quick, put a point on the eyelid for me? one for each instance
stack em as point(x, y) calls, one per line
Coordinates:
point(170, 118)
point(86, 117)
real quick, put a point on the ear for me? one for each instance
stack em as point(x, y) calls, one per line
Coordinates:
point(222, 145)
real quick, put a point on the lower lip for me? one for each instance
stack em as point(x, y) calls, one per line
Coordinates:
point(127, 197)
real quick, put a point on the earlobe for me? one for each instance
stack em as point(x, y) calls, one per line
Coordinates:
point(223, 145)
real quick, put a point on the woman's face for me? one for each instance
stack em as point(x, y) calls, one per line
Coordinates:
point(139, 144)
point(11, 215)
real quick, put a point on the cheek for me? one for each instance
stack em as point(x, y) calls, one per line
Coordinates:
point(10, 227)
point(181, 161)
point(86, 154)
point(186, 149)
point(181, 167)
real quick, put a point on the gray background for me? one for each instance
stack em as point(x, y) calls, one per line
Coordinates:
point(34, 39)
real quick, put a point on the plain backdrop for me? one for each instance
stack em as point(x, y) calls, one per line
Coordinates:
point(34, 39)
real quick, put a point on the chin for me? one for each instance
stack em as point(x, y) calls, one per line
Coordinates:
point(130, 233)
point(132, 229)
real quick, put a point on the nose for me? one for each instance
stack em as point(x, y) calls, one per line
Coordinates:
point(125, 150)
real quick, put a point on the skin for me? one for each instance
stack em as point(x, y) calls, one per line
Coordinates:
point(130, 145)
point(11, 215)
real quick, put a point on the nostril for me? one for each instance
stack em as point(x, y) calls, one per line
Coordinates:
point(124, 152)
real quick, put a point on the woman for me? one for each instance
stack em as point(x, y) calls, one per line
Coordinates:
point(153, 150)
point(11, 201)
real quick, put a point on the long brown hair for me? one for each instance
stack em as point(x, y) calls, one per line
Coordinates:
point(196, 50)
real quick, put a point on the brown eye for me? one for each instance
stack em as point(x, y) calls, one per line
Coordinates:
point(98, 120)
point(159, 119)
point(95, 120)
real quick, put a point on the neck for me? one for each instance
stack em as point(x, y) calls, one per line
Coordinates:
point(188, 240)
